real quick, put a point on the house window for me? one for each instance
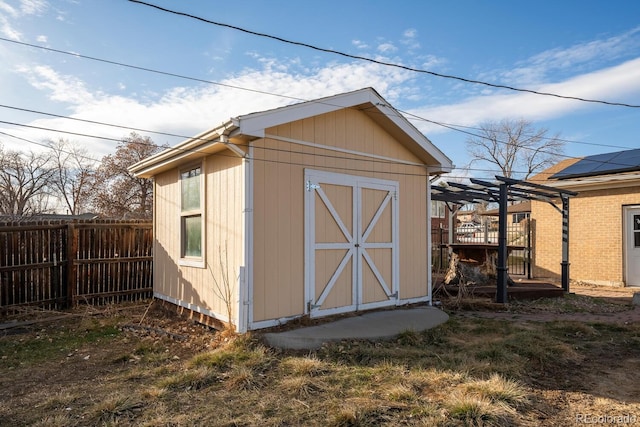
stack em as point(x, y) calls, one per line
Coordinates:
point(438, 209)
point(520, 216)
point(191, 214)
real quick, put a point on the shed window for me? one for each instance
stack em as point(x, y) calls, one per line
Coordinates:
point(191, 214)
point(636, 231)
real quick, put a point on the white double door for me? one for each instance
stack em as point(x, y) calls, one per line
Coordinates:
point(632, 246)
point(351, 243)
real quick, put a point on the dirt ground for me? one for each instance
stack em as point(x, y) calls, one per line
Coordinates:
point(609, 313)
point(72, 376)
point(609, 375)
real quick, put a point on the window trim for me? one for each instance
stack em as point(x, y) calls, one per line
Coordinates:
point(192, 261)
point(438, 205)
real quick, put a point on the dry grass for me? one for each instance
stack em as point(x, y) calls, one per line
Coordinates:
point(467, 371)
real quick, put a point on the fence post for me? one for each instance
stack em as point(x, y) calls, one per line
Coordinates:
point(72, 249)
point(529, 231)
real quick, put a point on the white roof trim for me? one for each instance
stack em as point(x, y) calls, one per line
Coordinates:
point(601, 182)
point(255, 124)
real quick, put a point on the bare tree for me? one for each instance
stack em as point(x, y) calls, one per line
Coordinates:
point(119, 193)
point(73, 177)
point(23, 183)
point(515, 147)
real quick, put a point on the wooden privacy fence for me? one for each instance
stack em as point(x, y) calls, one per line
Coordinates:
point(59, 264)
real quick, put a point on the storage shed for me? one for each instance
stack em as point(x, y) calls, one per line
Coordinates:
point(316, 208)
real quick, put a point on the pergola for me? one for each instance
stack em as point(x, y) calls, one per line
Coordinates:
point(502, 192)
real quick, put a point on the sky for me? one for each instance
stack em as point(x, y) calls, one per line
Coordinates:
point(205, 74)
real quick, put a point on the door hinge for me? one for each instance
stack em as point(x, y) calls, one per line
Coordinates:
point(311, 186)
point(311, 306)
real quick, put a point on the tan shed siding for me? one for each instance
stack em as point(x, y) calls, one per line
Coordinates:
point(202, 287)
point(167, 246)
point(413, 235)
point(278, 223)
point(595, 239)
point(279, 188)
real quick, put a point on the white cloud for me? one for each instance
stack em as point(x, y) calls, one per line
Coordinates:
point(410, 33)
point(9, 15)
point(33, 7)
point(42, 39)
point(359, 44)
point(190, 110)
point(66, 89)
point(8, 31)
point(7, 8)
point(616, 84)
point(579, 57)
point(410, 39)
point(387, 47)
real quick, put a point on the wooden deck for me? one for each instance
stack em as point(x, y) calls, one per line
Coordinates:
point(522, 289)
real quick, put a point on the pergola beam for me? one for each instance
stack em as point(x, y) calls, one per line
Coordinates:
point(505, 190)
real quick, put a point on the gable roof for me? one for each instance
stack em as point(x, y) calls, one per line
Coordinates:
point(252, 126)
point(521, 207)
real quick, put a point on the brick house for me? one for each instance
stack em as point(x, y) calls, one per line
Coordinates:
point(604, 220)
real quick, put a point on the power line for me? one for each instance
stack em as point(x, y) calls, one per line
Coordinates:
point(49, 147)
point(149, 70)
point(291, 152)
point(449, 126)
point(375, 61)
point(95, 122)
point(454, 127)
point(459, 128)
point(106, 138)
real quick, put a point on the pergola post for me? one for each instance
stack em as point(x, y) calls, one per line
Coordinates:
point(565, 244)
point(502, 269)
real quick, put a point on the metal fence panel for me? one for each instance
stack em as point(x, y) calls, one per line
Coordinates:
point(518, 235)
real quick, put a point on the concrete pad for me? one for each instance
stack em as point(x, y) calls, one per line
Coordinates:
point(378, 325)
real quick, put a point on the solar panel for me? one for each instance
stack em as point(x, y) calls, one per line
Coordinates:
point(602, 164)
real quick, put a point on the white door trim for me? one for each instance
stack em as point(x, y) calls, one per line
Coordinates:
point(632, 267)
point(355, 244)
point(245, 296)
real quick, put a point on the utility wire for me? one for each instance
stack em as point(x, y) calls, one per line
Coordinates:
point(460, 128)
point(291, 152)
point(375, 61)
point(50, 147)
point(149, 70)
point(95, 122)
point(448, 126)
point(106, 138)
point(454, 127)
